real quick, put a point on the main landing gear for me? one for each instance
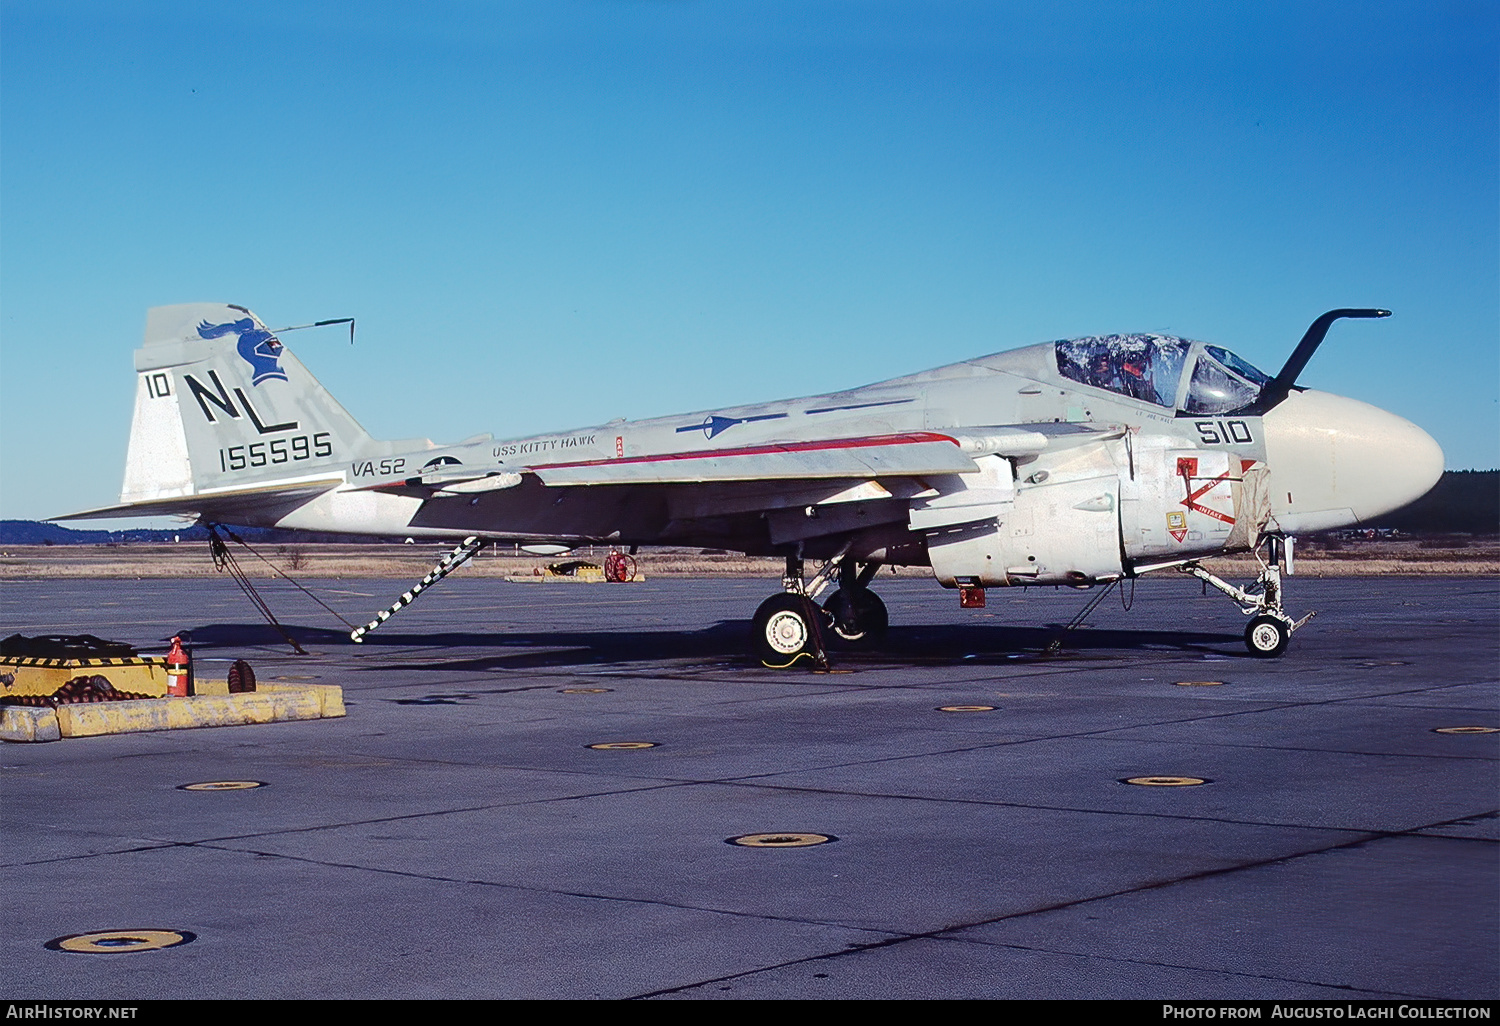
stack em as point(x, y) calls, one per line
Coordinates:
point(790, 627)
point(1270, 628)
point(855, 613)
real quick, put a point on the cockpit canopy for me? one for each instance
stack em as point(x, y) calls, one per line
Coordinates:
point(1150, 368)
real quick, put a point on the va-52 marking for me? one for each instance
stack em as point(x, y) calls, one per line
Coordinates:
point(383, 468)
point(1079, 462)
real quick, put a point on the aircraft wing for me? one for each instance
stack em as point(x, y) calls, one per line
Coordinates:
point(897, 455)
point(909, 454)
point(744, 497)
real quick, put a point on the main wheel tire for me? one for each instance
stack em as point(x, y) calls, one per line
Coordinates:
point(1266, 636)
point(782, 633)
point(870, 617)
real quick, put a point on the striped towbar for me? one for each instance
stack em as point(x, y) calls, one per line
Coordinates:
point(449, 563)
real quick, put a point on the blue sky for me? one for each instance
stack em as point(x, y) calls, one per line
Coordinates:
point(552, 214)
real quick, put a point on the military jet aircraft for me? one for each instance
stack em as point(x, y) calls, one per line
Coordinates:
point(1078, 462)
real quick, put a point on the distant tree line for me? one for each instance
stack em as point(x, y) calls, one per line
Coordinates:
point(1463, 502)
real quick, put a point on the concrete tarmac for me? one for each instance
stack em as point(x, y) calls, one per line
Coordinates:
point(455, 836)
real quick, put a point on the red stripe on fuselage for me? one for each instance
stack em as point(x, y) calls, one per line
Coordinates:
point(761, 450)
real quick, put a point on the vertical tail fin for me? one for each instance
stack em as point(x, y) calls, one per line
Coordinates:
point(221, 403)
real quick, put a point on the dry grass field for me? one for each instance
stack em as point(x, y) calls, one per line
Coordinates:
point(1314, 558)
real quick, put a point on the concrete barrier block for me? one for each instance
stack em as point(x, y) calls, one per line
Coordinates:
point(29, 723)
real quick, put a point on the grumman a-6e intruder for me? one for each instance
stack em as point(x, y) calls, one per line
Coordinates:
point(1079, 462)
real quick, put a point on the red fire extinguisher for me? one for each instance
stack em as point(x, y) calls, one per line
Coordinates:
point(177, 670)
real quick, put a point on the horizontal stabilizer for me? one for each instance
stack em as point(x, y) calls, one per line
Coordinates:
point(232, 505)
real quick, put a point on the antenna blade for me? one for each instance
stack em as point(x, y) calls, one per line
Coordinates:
point(340, 320)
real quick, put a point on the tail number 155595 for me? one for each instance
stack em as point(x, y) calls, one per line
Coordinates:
point(277, 450)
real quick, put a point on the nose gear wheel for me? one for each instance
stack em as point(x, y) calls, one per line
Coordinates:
point(1266, 636)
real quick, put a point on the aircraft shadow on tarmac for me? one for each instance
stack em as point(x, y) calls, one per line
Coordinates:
point(725, 642)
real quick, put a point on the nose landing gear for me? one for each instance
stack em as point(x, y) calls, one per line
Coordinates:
point(1270, 629)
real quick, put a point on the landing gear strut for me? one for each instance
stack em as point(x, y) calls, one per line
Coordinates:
point(790, 626)
point(1270, 628)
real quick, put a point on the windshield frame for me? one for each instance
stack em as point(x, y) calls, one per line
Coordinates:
point(1223, 361)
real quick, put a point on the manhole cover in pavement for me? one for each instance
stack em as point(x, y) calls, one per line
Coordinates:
point(120, 942)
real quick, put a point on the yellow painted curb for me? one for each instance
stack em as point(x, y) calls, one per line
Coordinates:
point(28, 723)
point(330, 696)
point(568, 579)
point(272, 703)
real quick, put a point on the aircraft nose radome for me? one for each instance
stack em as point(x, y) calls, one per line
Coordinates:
point(1335, 462)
